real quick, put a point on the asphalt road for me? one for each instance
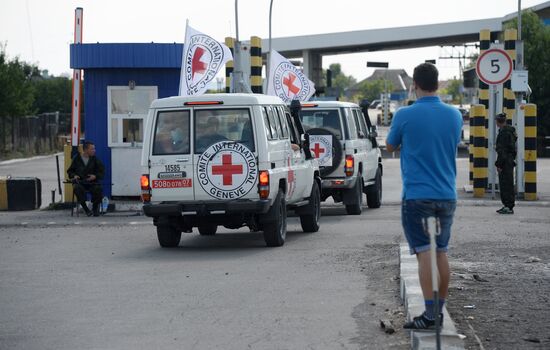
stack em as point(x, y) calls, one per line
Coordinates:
point(108, 285)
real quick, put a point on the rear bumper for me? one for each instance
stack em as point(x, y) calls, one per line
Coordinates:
point(339, 182)
point(205, 208)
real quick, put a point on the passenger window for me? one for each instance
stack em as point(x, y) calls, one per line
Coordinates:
point(362, 122)
point(267, 125)
point(171, 133)
point(294, 134)
point(351, 124)
point(358, 126)
point(274, 124)
point(215, 125)
point(284, 127)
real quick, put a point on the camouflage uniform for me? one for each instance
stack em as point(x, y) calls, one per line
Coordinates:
point(506, 155)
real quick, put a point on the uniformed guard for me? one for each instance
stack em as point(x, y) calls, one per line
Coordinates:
point(86, 172)
point(505, 163)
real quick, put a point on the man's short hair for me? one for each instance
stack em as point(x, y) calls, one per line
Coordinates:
point(87, 144)
point(501, 118)
point(426, 77)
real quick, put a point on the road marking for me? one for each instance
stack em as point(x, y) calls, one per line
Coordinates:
point(51, 223)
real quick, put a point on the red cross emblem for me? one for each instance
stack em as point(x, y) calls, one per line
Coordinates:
point(318, 150)
point(227, 169)
point(198, 66)
point(289, 82)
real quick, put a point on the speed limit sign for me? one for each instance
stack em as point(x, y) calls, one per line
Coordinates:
point(494, 66)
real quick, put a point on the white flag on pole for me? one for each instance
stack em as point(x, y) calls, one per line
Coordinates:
point(202, 59)
point(287, 81)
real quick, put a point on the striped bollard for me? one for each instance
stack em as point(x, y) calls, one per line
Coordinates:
point(479, 132)
point(483, 94)
point(530, 162)
point(509, 99)
point(256, 64)
point(229, 65)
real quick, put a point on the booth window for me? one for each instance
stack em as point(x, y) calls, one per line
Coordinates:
point(127, 109)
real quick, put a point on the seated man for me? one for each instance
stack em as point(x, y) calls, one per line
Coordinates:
point(85, 172)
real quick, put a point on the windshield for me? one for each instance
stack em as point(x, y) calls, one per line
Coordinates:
point(328, 119)
point(215, 125)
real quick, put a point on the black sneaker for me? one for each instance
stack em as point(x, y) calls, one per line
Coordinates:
point(422, 323)
point(500, 210)
point(506, 210)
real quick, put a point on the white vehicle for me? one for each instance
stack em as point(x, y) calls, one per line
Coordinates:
point(229, 160)
point(343, 140)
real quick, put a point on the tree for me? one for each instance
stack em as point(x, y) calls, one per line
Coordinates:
point(371, 90)
point(52, 95)
point(341, 81)
point(536, 38)
point(453, 89)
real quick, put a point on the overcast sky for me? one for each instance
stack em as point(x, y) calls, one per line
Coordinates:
point(40, 31)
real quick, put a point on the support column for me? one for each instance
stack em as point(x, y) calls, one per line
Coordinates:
point(483, 93)
point(229, 65)
point(478, 130)
point(313, 67)
point(256, 64)
point(530, 164)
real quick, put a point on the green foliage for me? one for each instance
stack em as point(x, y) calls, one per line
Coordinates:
point(371, 90)
point(453, 89)
point(53, 94)
point(341, 81)
point(17, 92)
point(536, 37)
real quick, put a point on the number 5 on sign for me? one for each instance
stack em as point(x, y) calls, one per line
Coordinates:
point(494, 67)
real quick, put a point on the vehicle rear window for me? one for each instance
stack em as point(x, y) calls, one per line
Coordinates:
point(171, 133)
point(215, 125)
point(322, 118)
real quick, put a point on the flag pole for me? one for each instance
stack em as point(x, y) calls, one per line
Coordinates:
point(182, 73)
point(268, 62)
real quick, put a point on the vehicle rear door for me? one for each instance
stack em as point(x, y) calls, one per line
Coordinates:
point(170, 167)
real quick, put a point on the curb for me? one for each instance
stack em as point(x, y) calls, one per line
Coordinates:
point(413, 301)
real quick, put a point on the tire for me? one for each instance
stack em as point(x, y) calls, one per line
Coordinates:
point(336, 150)
point(310, 221)
point(374, 192)
point(168, 236)
point(208, 229)
point(357, 206)
point(275, 232)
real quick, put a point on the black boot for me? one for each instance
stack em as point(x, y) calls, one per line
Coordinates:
point(96, 209)
point(86, 209)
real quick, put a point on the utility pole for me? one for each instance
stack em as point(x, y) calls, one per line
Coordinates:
point(238, 81)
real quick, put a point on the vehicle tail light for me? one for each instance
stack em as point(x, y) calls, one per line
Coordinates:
point(145, 188)
point(348, 168)
point(263, 184)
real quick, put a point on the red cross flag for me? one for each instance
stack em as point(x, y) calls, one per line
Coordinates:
point(202, 59)
point(287, 81)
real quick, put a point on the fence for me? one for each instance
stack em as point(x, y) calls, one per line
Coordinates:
point(34, 135)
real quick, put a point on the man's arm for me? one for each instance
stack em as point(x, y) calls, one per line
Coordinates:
point(71, 171)
point(391, 148)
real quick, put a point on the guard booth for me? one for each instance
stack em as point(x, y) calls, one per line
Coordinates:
point(120, 82)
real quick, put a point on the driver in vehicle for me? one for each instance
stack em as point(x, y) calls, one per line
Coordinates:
point(209, 134)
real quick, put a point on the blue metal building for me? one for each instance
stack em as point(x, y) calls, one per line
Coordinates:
point(120, 81)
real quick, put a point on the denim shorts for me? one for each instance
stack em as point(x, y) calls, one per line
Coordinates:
point(413, 211)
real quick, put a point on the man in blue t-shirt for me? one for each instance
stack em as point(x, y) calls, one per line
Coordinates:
point(427, 134)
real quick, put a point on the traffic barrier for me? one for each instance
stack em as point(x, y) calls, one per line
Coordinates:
point(530, 162)
point(22, 193)
point(229, 65)
point(509, 99)
point(256, 64)
point(471, 149)
point(479, 132)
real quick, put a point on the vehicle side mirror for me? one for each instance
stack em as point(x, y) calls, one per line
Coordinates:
point(304, 138)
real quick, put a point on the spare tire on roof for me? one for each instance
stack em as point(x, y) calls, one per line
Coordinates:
point(336, 150)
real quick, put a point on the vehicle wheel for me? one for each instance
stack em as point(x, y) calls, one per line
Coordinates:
point(275, 232)
point(336, 150)
point(208, 229)
point(310, 221)
point(168, 236)
point(374, 192)
point(357, 206)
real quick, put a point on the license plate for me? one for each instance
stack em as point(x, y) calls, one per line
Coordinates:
point(172, 183)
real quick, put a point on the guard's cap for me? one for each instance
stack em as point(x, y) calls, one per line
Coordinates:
point(501, 117)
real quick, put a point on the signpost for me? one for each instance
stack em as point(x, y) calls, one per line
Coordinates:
point(494, 67)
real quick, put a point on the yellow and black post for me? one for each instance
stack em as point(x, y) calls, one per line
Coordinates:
point(229, 65)
point(471, 149)
point(479, 132)
point(509, 99)
point(483, 94)
point(530, 163)
point(256, 64)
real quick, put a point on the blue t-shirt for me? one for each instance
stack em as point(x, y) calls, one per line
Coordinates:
point(428, 132)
